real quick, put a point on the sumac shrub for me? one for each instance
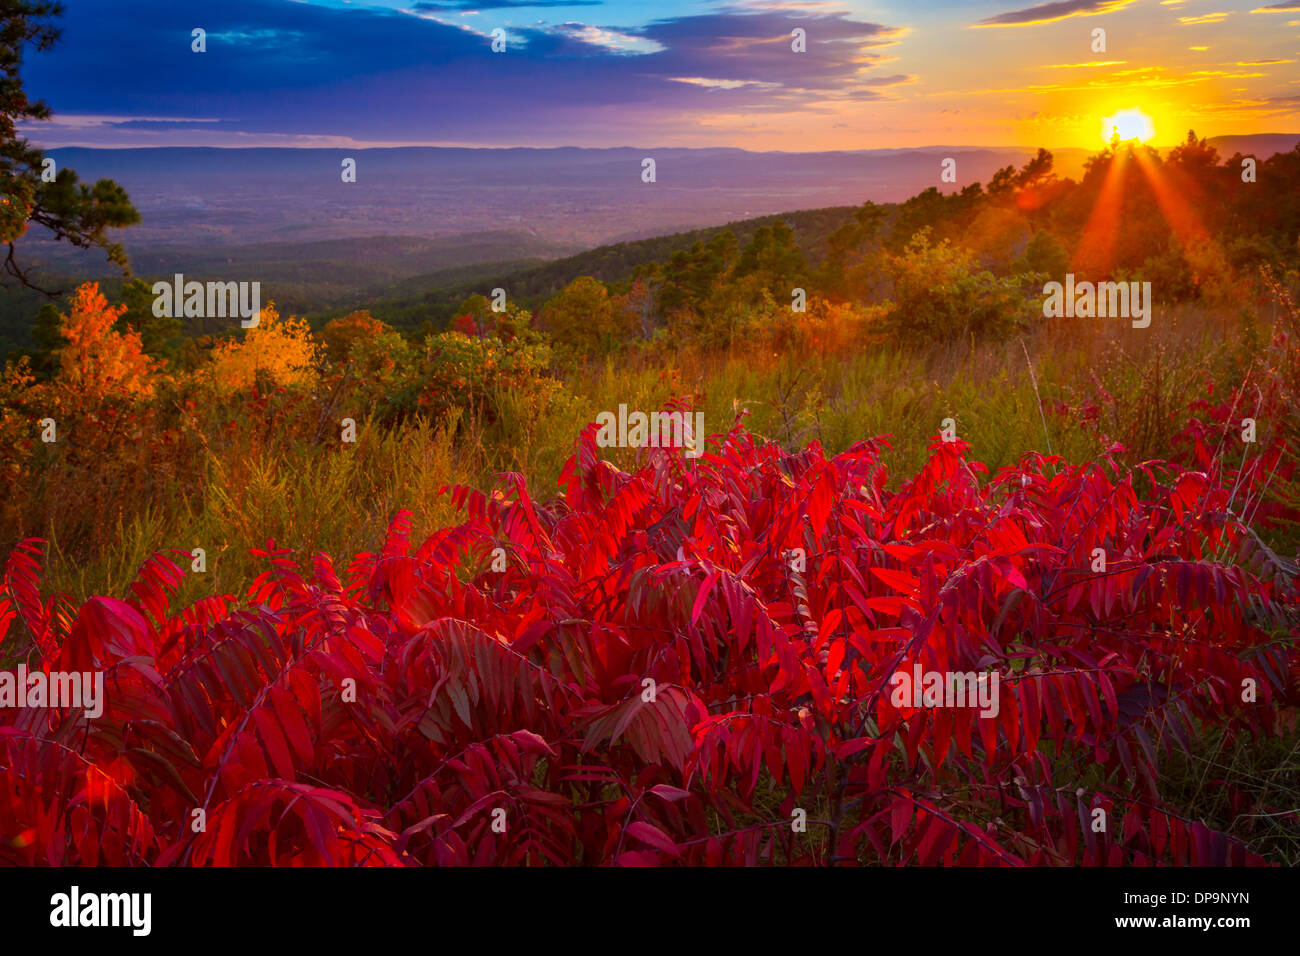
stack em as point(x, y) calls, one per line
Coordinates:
point(689, 664)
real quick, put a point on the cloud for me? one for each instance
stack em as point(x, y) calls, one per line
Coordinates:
point(275, 70)
point(722, 84)
point(1051, 12)
point(1139, 71)
point(1075, 66)
point(1284, 7)
point(786, 6)
point(891, 80)
point(757, 46)
point(1148, 79)
point(1204, 18)
point(612, 41)
point(77, 121)
point(466, 6)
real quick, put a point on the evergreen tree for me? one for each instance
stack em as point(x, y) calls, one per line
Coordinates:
point(32, 190)
point(157, 333)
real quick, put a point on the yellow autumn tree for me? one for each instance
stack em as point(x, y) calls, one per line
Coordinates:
point(97, 360)
point(282, 350)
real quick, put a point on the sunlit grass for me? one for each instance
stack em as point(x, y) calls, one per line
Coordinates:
point(311, 492)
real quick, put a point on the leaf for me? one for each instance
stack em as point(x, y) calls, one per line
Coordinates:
point(291, 721)
point(652, 836)
point(671, 794)
point(900, 815)
point(851, 747)
point(702, 597)
point(272, 737)
point(903, 583)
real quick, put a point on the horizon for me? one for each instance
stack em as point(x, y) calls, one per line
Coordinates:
point(786, 152)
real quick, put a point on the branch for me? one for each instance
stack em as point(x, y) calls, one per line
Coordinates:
point(11, 267)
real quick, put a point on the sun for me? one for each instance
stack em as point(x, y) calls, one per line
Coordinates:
point(1127, 124)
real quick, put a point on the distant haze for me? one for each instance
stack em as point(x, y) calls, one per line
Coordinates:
point(567, 198)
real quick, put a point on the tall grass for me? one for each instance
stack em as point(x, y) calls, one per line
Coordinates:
point(290, 479)
point(334, 497)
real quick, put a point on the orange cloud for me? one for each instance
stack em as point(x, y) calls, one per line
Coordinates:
point(1051, 12)
point(1075, 66)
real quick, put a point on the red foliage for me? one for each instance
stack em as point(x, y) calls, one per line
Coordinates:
point(426, 709)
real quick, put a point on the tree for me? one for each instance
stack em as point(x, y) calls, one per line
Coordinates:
point(1037, 171)
point(47, 339)
point(97, 361)
point(1026, 186)
point(1044, 254)
point(637, 306)
point(773, 256)
point(582, 317)
point(157, 333)
point(848, 239)
point(1003, 181)
point(941, 296)
point(342, 335)
point(948, 214)
point(31, 189)
point(473, 316)
point(279, 352)
point(689, 275)
point(1196, 156)
point(1115, 213)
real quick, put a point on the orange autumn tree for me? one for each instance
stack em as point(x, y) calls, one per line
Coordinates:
point(340, 335)
point(98, 362)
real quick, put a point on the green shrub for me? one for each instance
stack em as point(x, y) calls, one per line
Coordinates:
point(939, 296)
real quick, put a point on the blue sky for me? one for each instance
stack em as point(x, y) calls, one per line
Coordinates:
point(666, 73)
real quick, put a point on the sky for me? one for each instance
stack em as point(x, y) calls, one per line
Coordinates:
point(875, 74)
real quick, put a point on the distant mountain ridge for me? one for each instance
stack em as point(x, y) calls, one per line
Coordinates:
point(568, 197)
point(1259, 145)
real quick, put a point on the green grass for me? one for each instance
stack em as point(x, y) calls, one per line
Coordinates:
point(263, 479)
